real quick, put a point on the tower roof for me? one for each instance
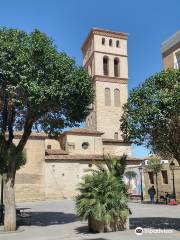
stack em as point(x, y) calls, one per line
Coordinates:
point(103, 32)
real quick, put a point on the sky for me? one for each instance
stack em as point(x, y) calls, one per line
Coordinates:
point(67, 22)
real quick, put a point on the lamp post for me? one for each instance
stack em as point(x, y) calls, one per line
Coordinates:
point(172, 166)
point(1, 206)
point(141, 168)
point(140, 171)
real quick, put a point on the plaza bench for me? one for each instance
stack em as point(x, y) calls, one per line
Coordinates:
point(23, 215)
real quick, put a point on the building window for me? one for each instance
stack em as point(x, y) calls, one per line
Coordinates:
point(105, 65)
point(48, 146)
point(151, 177)
point(116, 67)
point(164, 176)
point(103, 41)
point(116, 135)
point(107, 97)
point(116, 97)
point(117, 43)
point(85, 145)
point(110, 42)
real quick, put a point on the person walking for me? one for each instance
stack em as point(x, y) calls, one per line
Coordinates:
point(152, 193)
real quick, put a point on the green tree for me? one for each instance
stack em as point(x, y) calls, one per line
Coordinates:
point(130, 175)
point(40, 89)
point(152, 114)
point(155, 166)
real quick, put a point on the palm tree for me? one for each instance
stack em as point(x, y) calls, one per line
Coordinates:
point(116, 165)
point(103, 198)
point(155, 166)
point(102, 202)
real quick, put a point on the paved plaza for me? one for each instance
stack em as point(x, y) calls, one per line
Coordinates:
point(54, 220)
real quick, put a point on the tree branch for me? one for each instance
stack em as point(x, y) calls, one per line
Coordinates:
point(27, 132)
point(10, 127)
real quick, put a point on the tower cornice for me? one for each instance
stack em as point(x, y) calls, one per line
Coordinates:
point(110, 79)
point(103, 32)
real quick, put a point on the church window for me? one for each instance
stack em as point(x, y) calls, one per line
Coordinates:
point(116, 67)
point(164, 176)
point(103, 41)
point(105, 65)
point(116, 98)
point(116, 135)
point(110, 42)
point(48, 146)
point(107, 97)
point(85, 145)
point(151, 177)
point(117, 43)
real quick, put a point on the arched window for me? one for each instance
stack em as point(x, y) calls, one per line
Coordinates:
point(105, 65)
point(107, 97)
point(117, 43)
point(103, 41)
point(116, 97)
point(116, 135)
point(116, 67)
point(110, 42)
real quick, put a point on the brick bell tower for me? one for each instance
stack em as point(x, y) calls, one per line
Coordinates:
point(105, 58)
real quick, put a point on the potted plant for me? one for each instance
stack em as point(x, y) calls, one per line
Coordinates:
point(103, 202)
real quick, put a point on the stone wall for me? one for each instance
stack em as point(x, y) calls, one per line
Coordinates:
point(62, 177)
point(117, 149)
point(30, 178)
point(107, 117)
point(74, 144)
point(163, 188)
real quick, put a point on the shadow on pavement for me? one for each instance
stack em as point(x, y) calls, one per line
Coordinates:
point(155, 222)
point(47, 219)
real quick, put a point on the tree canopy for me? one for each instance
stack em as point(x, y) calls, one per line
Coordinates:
point(155, 165)
point(152, 114)
point(40, 89)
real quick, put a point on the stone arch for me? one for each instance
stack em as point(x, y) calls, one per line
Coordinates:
point(116, 97)
point(106, 65)
point(116, 67)
point(107, 97)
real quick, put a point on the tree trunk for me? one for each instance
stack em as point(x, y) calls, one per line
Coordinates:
point(9, 201)
point(157, 193)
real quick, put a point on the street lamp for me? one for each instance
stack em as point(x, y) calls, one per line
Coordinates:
point(1, 206)
point(172, 167)
point(140, 171)
point(141, 175)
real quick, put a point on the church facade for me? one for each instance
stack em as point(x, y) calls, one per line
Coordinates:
point(55, 167)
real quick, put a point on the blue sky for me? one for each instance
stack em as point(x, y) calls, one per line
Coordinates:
point(148, 23)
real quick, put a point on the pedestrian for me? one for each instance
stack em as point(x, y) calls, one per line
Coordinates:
point(152, 193)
